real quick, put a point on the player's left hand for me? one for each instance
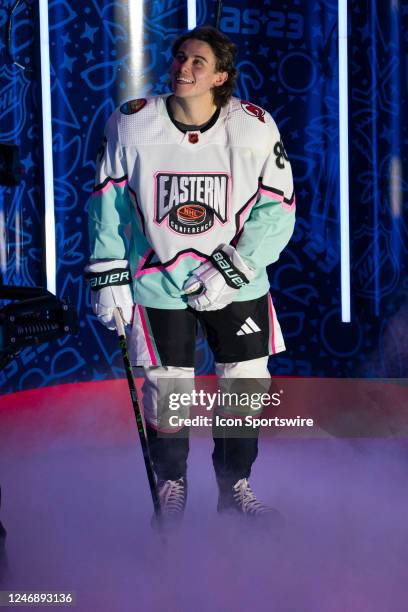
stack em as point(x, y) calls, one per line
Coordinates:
point(215, 283)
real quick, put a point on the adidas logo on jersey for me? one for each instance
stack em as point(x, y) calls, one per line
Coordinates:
point(249, 327)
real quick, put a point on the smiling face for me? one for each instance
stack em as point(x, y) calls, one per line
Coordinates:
point(193, 72)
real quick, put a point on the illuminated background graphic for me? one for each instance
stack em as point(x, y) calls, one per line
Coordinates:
point(288, 63)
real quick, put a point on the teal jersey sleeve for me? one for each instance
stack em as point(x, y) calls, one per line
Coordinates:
point(109, 206)
point(271, 221)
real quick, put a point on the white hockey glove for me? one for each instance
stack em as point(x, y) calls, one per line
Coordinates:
point(109, 282)
point(215, 283)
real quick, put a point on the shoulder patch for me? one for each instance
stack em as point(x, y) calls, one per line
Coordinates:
point(133, 106)
point(253, 110)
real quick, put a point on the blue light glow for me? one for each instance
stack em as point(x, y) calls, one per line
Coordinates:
point(191, 14)
point(376, 193)
point(50, 264)
point(344, 165)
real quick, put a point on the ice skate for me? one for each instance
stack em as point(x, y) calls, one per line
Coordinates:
point(240, 500)
point(173, 496)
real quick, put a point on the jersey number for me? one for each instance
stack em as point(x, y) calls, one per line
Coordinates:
point(280, 153)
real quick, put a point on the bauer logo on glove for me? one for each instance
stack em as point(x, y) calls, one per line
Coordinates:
point(110, 284)
point(113, 277)
point(232, 276)
point(215, 283)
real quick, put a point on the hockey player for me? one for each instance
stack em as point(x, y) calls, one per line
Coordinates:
point(204, 183)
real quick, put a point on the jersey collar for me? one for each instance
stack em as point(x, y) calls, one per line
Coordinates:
point(191, 128)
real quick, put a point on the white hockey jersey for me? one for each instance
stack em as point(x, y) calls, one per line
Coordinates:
point(182, 195)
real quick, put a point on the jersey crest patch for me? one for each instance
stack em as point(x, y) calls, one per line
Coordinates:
point(253, 110)
point(191, 202)
point(193, 138)
point(133, 106)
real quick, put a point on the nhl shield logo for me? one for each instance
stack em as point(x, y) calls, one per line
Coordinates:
point(13, 93)
point(193, 138)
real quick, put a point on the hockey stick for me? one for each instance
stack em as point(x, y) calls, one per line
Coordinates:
point(120, 328)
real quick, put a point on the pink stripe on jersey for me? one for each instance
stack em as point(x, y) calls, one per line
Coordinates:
point(180, 258)
point(108, 185)
point(289, 206)
point(270, 194)
point(278, 197)
point(146, 336)
point(272, 325)
point(161, 267)
point(139, 272)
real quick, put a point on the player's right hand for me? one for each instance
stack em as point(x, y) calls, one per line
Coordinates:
point(109, 282)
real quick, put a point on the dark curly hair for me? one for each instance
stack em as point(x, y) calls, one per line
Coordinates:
point(224, 51)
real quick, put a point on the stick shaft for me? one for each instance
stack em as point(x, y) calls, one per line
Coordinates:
point(139, 421)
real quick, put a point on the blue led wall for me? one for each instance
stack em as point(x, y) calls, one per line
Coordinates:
point(21, 210)
point(288, 63)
